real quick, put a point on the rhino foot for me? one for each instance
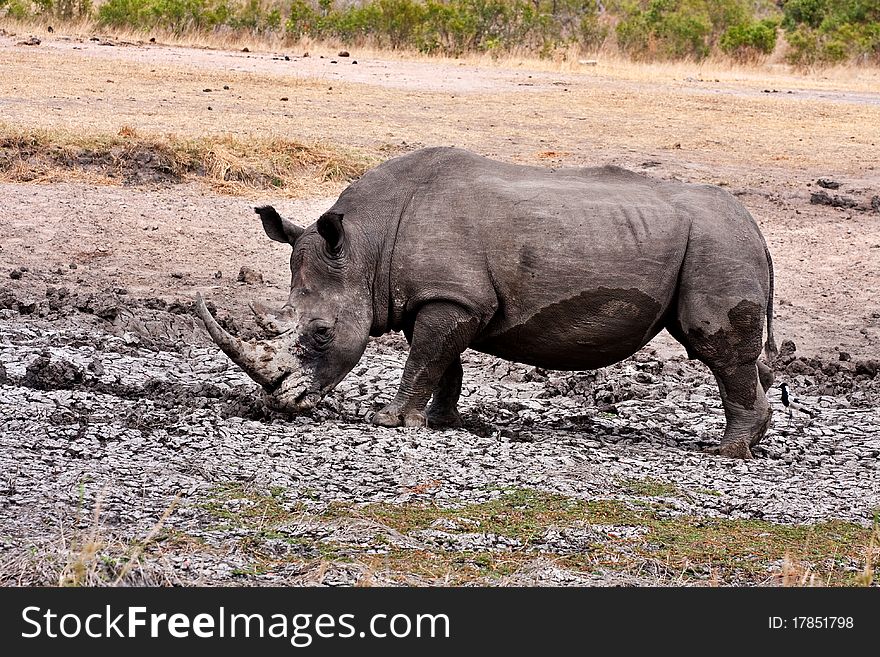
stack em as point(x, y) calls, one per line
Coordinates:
point(391, 416)
point(731, 450)
point(444, 420)
point(415, 419)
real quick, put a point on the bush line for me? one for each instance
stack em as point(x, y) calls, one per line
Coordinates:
point(817, 31)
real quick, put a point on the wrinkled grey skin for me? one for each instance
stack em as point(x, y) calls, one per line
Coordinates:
point(568, 269)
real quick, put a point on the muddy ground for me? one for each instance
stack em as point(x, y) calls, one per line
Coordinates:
point(134, 452)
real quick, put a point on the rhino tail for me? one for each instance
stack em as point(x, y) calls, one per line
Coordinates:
point(770, 350)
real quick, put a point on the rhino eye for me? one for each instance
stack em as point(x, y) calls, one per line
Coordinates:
point(322, 335)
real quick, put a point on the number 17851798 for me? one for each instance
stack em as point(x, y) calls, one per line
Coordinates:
point(810, 622)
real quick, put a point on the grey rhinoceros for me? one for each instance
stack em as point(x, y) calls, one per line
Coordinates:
point(567, 269)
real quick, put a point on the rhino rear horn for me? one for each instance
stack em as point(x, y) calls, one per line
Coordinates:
point(266, 318)
point(258, 359)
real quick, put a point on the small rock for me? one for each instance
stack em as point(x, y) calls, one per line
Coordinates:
point(823, 198)
point(27, 306)
point(95, 367)
point(46, 373)
point(8, 301)
point(250, 276)
point(245, 49)
point(844, 356)
point(218, 274)
point(343, 53)
point(32, 41)
point(15, 274)
point(4, 378)
point(787, 349)
point(176, 274)
point(868, 367)
point(827, 183)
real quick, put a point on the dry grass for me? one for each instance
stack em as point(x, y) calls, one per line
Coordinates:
point(872, 557)
point(88, 553)
point(127, 157)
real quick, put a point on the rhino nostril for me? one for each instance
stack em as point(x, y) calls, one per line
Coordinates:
point(274, 387)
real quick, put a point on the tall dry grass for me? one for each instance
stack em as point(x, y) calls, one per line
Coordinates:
point(228, 165)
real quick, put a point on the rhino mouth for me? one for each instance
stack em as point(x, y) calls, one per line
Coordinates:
point(287, 386)
point(293, 394)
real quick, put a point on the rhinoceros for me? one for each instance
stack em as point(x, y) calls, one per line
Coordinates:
point(566, 269)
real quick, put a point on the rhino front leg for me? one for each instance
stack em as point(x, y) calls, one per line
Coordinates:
point(442, 331)
point(443, 411)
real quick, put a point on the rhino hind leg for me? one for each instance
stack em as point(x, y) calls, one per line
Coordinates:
point(745, 408)
point(731, 351)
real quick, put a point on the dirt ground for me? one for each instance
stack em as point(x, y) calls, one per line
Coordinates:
point(133, 452)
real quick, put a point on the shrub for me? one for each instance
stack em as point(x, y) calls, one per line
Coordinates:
point(826, 31)
point(804, 12)
point(686, 28)
point(122, 13)
point(678, 28)
point(181, 15)
point(452, 26)
point(301, 18)
point(748, 41)
point(817, 30)
point(62, 9)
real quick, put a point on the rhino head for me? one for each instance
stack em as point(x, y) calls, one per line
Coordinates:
point(322, 330)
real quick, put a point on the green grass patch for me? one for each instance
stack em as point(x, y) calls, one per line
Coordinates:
point(685, 547)
point(522, 514)
point(750, 549)
point(241, 506)
point(649, 487)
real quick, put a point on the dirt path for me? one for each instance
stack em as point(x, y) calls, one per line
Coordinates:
point(452, 76)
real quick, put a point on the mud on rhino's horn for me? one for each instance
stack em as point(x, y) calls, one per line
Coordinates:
point(260, 359)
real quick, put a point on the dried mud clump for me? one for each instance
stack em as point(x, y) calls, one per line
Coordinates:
point(48, 373)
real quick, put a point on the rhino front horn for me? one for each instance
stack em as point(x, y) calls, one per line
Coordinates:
point(258, 359)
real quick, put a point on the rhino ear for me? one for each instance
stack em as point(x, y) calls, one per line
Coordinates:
point(277, 227)
point(330, 228)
